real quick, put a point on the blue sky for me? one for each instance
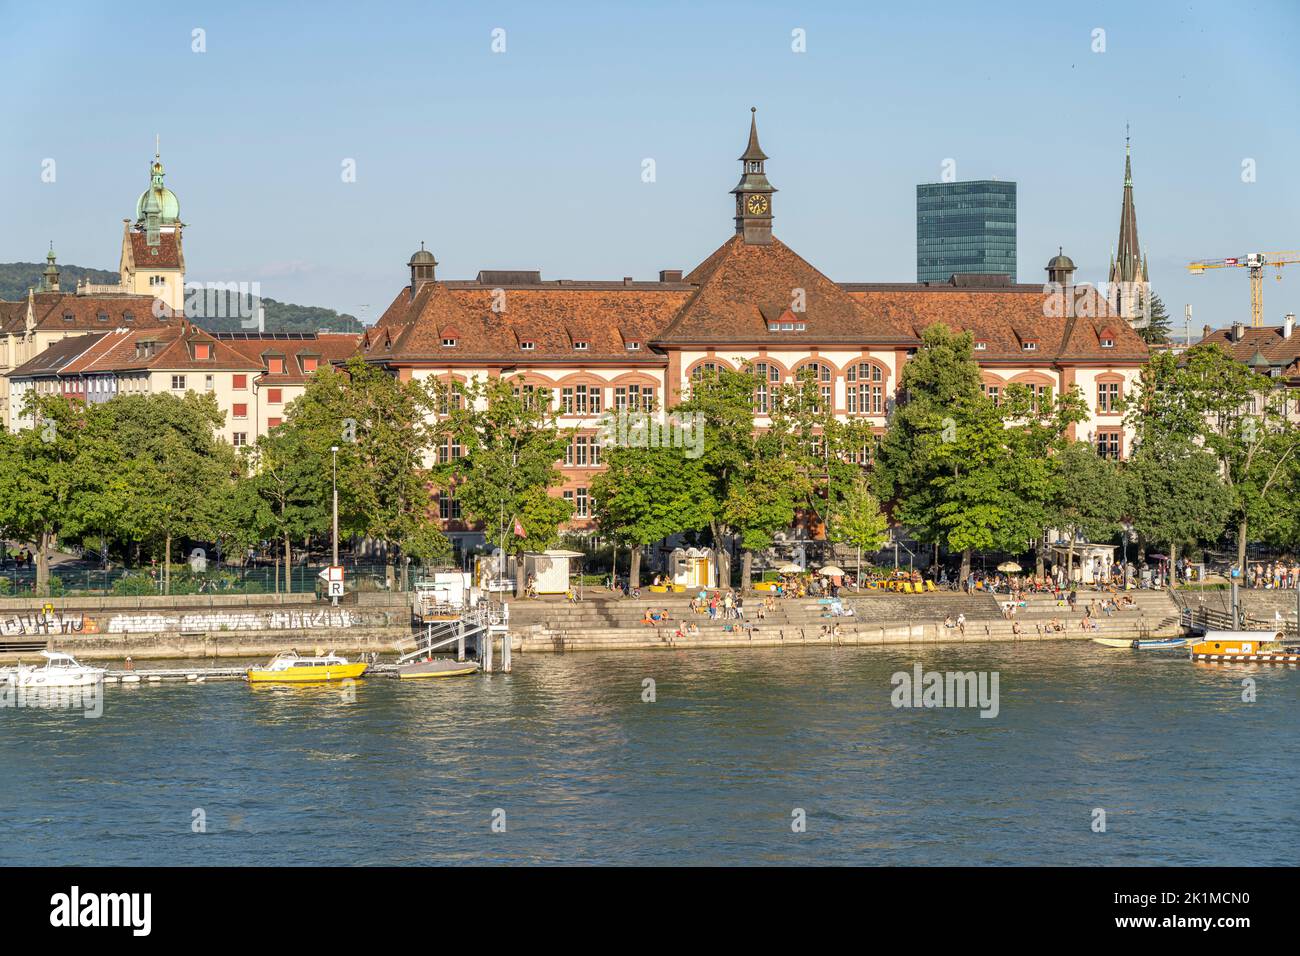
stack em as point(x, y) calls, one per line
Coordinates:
point(532, 158)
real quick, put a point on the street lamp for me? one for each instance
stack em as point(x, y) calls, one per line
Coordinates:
point(334, 451)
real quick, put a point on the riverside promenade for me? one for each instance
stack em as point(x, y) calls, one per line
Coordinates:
point(603, 621)
point(214, 627)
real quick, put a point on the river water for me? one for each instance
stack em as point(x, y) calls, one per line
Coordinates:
point(572, 765)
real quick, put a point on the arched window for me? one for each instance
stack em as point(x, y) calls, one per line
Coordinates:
point(1040, 387)
point(866, 389)
point(767, 376)
point(822, 375)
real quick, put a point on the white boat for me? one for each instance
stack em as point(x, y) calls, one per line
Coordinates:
point(60, 670)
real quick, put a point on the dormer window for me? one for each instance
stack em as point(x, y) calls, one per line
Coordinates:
point(1030, 346)
point(309, 363)
point(144, 349)
point(634, 346)
point(981, 346)
point(787, 325)
point(580, 346)
point(128, 316)
point(275, 365)
point(102, 317)
point(1108, 343)
point(527, 345)
point(202, 351)
point(448, 342)
point(69, 317)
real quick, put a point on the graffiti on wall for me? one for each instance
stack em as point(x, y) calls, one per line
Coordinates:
point(143, 622)
point(45, 622)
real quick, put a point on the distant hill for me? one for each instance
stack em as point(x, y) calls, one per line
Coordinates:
point(17, 277)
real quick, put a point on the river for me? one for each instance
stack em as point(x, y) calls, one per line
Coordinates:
point(787, 756)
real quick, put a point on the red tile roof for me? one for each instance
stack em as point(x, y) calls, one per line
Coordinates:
point(743, 288)
point(165, 255)
point(1270, 342)
point(327, 347)
point(551, 315)
point(120, 352)
point(1005, 320)
point(68, 311)
point(57, 357)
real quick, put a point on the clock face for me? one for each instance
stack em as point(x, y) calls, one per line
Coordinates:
point(757, 205)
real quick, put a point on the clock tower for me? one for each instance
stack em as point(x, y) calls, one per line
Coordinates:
point(754, 193)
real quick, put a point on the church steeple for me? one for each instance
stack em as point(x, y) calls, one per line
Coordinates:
point(1128, 268)
point(50, 277)
point(754, 193)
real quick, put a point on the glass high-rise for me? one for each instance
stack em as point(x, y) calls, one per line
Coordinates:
point(965, 227)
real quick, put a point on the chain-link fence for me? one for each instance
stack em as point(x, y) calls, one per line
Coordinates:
point(226, 579)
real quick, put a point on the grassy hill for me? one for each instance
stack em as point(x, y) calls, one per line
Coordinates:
point(17, 277)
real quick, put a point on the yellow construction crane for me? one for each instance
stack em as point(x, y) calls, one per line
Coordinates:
point(1255, 262)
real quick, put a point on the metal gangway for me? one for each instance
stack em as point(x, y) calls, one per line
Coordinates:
point(481, 623)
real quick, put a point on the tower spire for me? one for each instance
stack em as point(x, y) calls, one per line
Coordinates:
point(1128, 269)
point(754, 193)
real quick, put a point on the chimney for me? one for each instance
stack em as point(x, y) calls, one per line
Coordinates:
point(1238, 331)
point(670, 275)
point(1288, 325)
point(1205, 331)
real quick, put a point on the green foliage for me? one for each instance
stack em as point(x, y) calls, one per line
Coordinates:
point(44, 478)
point(857, 520)
point(510, 448)
point(1156, 331)
point(1175, 494)
point(17, 277)
point(1090, 498)
point(961, 470)
point(1209, 400)
point(169, 465)
point(135, 584)
point(645, 494)
point(379, 425)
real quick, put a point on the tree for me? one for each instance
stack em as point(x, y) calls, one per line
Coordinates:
point(1209, 399)
point(171, 461)
point(647, 493)
point(856, 519)
point(380, 425)
point(292, 487)
point(722, 402)
point(1156, 331)
point(961, 470)
point(1175, 496)
point(40, 477)
point(762, 501)
point(1090, 496)
point(509, 446)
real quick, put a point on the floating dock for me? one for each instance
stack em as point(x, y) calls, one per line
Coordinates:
point(201, 675)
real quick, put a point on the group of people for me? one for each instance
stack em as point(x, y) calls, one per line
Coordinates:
point(725, 605)
point(1275, 575)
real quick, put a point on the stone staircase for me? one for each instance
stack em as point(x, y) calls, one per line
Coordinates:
point(879, 618)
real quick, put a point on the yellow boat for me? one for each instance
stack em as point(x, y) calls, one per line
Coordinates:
point(291, 668)
point(1246, 647)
